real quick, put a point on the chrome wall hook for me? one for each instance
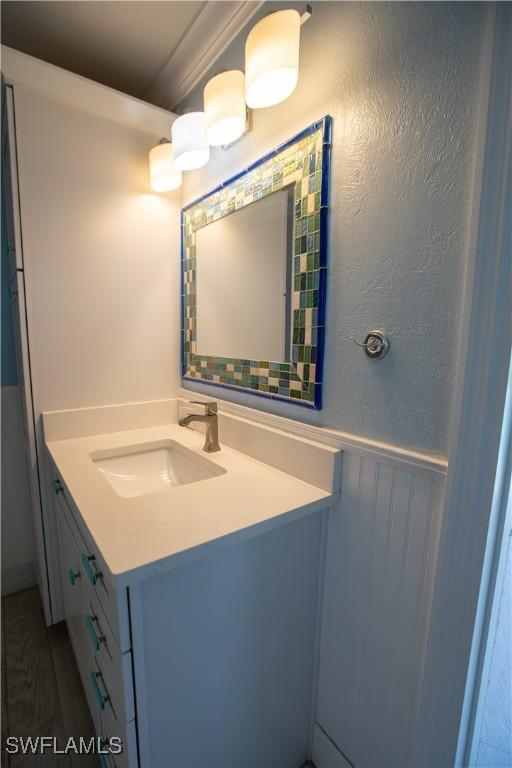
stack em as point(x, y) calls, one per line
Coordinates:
point(376, 344)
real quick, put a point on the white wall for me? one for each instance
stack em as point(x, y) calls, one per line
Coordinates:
point(17, 538)
point(400, 81)
point(101, 258)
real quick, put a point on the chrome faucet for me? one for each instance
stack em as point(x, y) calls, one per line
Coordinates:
point(210, 417)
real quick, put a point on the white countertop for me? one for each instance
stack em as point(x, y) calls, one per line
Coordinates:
point(141, 536)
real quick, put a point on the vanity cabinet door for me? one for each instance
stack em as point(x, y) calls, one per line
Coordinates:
point(106, 673)
point(74, 592)
point(93, 568)
point(73, 587)
point(116, 667)
point(112, 728)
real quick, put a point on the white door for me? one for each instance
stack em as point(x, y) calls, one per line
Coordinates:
point(17, 291)
point(10, 170)
point(27, 418)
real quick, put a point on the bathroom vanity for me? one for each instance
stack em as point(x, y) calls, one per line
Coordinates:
point(191, 583)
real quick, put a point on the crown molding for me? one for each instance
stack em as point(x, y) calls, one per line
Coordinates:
point(206, 39)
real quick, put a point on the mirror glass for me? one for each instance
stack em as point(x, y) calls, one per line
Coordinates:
point(243, 276)
point(254, 275)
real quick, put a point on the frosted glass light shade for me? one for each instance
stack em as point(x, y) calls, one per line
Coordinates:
point(224, 107)
point(191, 149)
point(272, 59)
point(163, 173)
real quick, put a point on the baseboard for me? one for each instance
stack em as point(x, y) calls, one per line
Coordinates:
point(325, 752)
point(18, 577)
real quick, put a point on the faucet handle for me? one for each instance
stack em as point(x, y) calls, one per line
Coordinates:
point(210, 406)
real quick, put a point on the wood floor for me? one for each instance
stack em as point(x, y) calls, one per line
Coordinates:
point(41, 689)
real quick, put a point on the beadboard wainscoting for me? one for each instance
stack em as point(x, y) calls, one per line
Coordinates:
point(382, 543)
point(381, 554)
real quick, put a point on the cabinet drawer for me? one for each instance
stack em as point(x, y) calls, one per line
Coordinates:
point(73, 586)
point(116, 667)
point(75, 601)
point(114, 603)
point(94, 570)
point(84, 667)
point(98, 690)
point(110, 727)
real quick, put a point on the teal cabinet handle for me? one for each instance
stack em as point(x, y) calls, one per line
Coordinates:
point(105, 762)
point(73, 576)
point(95, 640)
point(86, 560)
point(57, 487)
point(99, 695)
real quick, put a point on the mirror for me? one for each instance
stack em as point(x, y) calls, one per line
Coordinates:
point(243, 271)
point(254, 272)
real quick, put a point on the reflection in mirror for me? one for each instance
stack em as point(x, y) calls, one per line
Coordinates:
point(243, 281)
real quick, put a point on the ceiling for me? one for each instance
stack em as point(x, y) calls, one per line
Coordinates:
point(124, 45)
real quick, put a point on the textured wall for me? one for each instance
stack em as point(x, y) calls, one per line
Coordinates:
point(401, 82)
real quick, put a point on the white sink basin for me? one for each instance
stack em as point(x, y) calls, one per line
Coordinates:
point(139, 469)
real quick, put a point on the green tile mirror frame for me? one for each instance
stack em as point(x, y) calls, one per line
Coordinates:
point(301, 164)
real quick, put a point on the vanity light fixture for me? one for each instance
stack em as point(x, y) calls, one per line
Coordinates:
point(272, 59)
point(191, 148)
point(163, 174)
point(225, 109)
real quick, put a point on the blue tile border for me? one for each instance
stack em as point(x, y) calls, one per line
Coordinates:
point(299, 381)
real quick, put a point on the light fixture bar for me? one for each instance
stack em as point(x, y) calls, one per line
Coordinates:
point(306, 14)
point(248, 129)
